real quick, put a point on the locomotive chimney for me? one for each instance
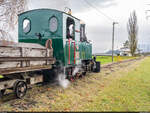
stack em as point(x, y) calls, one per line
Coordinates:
point(84, 35)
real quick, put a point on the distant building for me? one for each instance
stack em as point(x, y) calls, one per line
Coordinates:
point(125, 51)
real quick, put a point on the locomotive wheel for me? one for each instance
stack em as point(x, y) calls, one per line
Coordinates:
point(2, 92)
point(20, 89)
point(72, 79)
point(80, 76)
point(77, 76)
point(84, 73)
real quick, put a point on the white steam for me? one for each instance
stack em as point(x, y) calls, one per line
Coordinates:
point(62, 77)
point(62, 81)
point(76, 70)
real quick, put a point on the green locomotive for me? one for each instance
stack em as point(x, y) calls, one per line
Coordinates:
point(70, 48)
point(58, 32)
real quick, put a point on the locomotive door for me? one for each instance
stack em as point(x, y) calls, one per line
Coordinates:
point(71, 52)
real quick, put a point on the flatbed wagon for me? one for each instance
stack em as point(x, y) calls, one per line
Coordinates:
point(22, 65)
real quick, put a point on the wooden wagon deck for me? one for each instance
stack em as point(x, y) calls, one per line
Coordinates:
point(23, 57)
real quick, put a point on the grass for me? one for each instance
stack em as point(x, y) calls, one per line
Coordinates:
point(108, 59)
point(123, 87)
point(127, 89)
point(130, 92)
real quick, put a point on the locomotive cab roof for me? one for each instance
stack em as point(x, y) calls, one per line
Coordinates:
point(48, 10)
point(46, 23)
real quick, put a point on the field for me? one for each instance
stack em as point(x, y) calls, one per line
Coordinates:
point(108, 59)
point(119, 87)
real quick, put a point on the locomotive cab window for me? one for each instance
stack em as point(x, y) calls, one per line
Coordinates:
point(70, 28)
point(26, 25)
point(53, 24)
point(82, 33)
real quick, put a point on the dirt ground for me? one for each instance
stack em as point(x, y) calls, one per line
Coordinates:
point(52, 97)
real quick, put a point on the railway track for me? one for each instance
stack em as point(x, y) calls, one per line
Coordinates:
point(10, 96)
point(121, 62)
point(50, 91)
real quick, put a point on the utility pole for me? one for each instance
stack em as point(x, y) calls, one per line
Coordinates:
point(146, 14)
point(113, 33)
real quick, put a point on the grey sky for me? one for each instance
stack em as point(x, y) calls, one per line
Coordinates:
point(99, 27)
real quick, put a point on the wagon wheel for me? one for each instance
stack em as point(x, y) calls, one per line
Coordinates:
point(20, 89)
point(2, 92)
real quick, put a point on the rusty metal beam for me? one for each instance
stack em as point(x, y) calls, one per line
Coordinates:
point(21, 47)
point(17, 59)
point(5, 71)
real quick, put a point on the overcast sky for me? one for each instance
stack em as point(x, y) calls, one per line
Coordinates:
point(98, 26)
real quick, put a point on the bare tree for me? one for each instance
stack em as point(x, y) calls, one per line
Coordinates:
point(126, 44)
point(9, 9)
point(132, 28)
